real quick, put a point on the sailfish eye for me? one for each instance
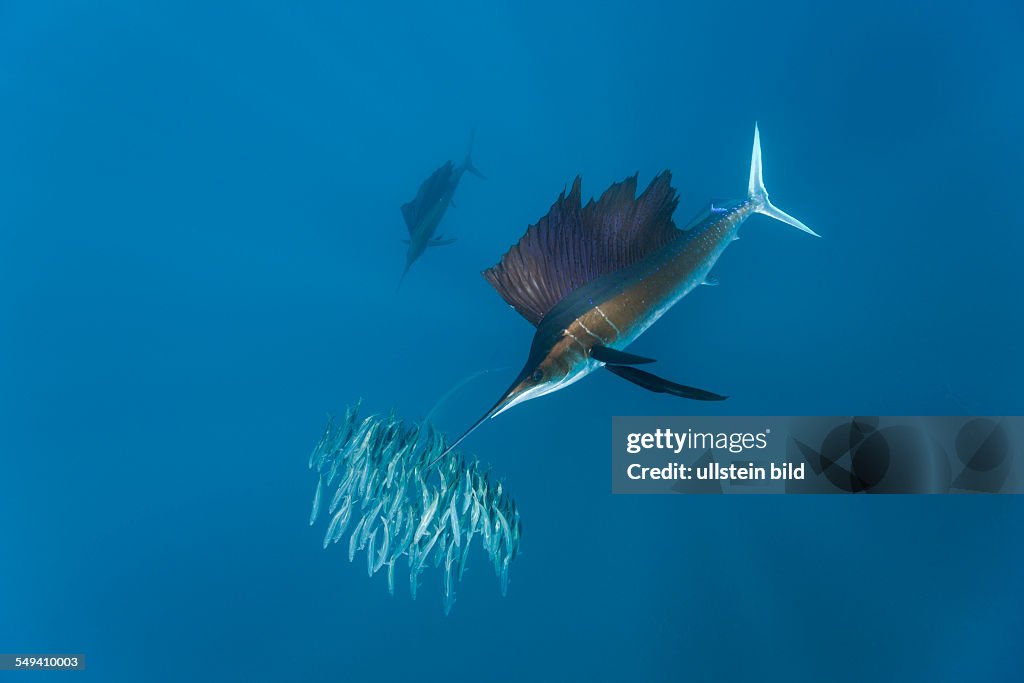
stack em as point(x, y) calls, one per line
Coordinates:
point(537, 375)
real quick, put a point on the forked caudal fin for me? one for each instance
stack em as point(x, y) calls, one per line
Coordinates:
point(758, 195)
point(467, 164)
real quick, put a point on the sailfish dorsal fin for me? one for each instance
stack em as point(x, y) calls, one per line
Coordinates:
point(573, 244)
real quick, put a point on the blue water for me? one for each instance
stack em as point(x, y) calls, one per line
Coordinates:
point(199, 249)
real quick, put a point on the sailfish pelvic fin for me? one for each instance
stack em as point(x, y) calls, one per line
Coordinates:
point(758, 195)
point(660, 385)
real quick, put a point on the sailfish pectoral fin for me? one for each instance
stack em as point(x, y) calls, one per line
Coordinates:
point(616, 357)
point(663, 386)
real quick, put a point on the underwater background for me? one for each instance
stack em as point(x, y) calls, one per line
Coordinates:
point(199, 254)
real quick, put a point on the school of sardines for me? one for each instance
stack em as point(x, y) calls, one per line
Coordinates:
point(384, 476)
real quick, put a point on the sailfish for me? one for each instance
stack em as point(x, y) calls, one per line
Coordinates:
point(593, 278)
point(424, 213)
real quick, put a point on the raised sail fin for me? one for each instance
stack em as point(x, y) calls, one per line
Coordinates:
point(574, 244)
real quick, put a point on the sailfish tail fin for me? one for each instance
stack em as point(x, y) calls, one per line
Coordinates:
point(467, 164)
point(758, 195)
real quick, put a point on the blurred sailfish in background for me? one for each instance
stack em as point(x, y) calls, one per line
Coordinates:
point(424, 213)
point(593, 278)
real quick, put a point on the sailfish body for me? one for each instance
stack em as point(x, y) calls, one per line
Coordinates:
point(424, 212)
point(593, 278)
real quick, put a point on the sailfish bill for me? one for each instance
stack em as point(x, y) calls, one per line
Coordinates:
point(592, 278)
point(498, 407)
